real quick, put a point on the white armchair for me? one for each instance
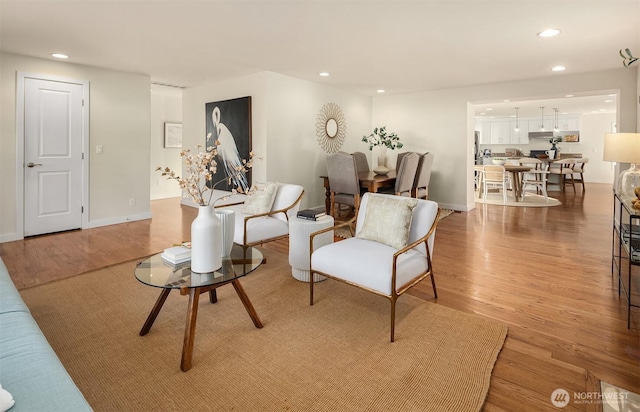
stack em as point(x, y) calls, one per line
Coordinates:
point(390, 252)
point(256, 229)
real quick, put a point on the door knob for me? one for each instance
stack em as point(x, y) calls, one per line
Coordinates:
point(31, 164)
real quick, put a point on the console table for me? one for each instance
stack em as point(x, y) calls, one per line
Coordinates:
point(625, 249)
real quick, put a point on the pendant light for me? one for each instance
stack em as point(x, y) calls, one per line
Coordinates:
point(542, 118)
point(517, 129)
point(556, 129)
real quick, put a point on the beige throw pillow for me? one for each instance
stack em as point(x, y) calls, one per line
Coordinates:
point(388, 220)
point(260, 198)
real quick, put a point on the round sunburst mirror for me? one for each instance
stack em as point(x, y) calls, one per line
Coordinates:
point(331, 128)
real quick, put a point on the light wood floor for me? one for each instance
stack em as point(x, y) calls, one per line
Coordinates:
point(544, 272)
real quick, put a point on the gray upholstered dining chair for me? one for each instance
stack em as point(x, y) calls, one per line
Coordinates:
point(399, 159)
point(423, 176)
point(344, 185)
point(405, 175)
point(362, 164)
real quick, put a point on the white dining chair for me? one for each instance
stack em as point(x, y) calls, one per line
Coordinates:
point(536, 177)
point(494, 176)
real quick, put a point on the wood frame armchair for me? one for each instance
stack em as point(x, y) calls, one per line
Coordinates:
point(376, 267)
point(256, 229)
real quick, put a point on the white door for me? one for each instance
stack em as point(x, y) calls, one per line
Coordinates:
point(53, 125)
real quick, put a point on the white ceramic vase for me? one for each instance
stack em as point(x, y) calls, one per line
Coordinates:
point(228, 225)
point(206, 241)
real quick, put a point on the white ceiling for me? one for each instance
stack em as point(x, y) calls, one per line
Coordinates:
point(400, 46)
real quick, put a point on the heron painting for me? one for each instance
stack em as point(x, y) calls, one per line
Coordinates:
point(228, 125)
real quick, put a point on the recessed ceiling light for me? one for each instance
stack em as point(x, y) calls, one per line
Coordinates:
point(549, 33)
point(482, 113)
point(565, 112)
point(380, 91)
point(506, 101)
point(324, 74)
point(558, 68)
point(489, 109)
point(60, 56)
point(568, 95)
point(612, 95)
point(608, 101)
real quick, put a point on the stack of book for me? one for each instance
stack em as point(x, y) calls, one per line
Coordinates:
point(176, 255)
point(630, 231)
point(311, 214)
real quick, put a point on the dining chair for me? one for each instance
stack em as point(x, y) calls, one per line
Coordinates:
point(423, 176)
point(399, 159)
point(362, 164)
point(405, 175)
point(578, 169)
point(564, 169)
point(536, 177)
point(494, 176)
point(344, 185)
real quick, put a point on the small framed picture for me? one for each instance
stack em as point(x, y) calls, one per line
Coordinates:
point(172, 134)
point(570, 136)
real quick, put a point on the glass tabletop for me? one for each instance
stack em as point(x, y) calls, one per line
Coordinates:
point(154, 271)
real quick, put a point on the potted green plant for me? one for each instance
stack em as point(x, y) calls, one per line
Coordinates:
point(380, 138)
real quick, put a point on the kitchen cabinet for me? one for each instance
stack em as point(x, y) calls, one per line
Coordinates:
point(522, 136)
point(484, 128)
point(569, 123)
point(500, 132)
point(534, 125)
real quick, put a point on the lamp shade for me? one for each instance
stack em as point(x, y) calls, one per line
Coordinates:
point(622, 147)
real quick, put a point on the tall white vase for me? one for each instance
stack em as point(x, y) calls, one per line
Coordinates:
point(228, 224)
point(206, 241)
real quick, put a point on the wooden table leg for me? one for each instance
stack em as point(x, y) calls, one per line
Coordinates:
point(247, 303)
point(213, 296)
point(327, 196)
point(190, 329)
point(154, 312)
point(517, 185)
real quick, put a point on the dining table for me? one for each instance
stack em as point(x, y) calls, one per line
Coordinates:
point(368, 180)
point(516, 179)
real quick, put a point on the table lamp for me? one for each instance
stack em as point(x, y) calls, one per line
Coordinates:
point(624, 148)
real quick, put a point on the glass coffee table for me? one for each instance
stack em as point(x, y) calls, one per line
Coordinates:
point(154, 271)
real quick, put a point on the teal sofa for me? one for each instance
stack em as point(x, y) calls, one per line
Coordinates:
point(29, 368)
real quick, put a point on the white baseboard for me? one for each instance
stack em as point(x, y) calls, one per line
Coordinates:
point(118, 220)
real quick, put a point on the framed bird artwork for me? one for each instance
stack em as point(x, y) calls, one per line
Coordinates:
point(228, 125)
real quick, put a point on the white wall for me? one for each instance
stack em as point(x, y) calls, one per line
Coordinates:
point(442, 122)
point(593, 127)
point(166, 106)
point(118, 120)
point(284, 111)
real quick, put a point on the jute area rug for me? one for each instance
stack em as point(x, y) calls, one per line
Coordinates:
point(530, 200)
point(333, 356)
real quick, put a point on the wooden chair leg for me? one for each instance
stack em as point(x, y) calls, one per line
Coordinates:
point(393, 318)
point(433, 283)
